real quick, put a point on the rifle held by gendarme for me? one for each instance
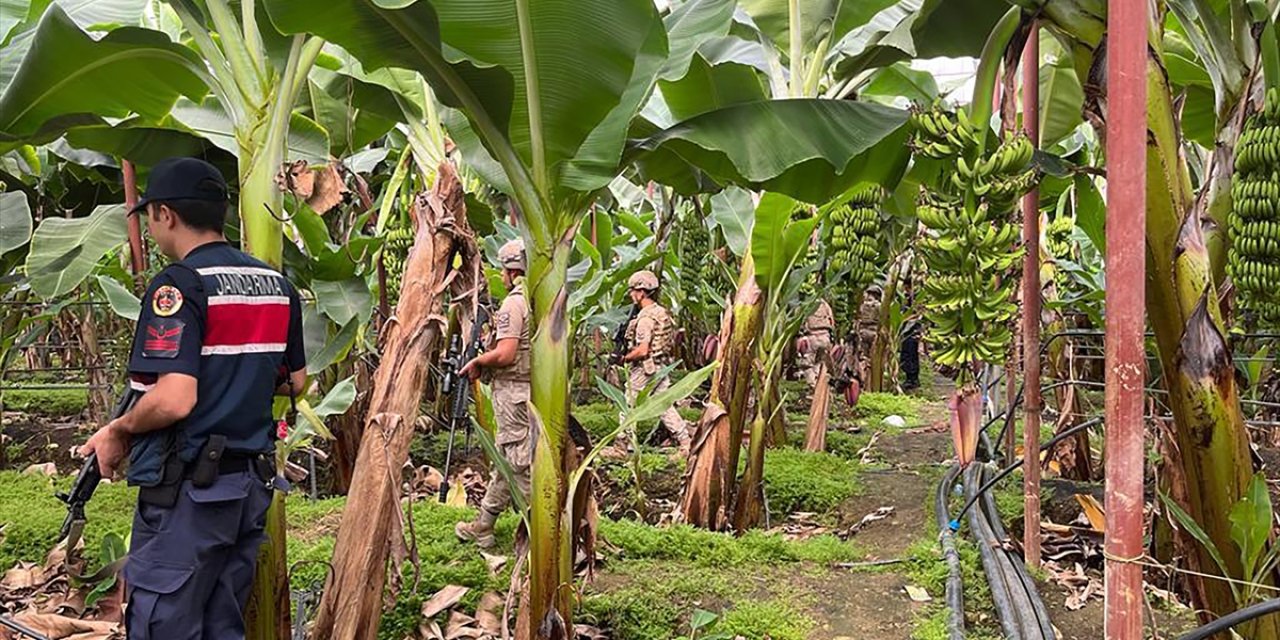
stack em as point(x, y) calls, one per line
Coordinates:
point(89, 477)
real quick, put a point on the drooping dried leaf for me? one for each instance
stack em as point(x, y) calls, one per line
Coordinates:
point(1093, 511)
point(443, 599)
point(328, 190)
point(430, 630)
point(72, 604)
point(295, 473)
point(296, 178)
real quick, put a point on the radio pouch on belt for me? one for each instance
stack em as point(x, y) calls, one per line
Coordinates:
point(206, 466)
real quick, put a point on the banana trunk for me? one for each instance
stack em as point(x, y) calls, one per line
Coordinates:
point(710, 481)
point(550, 536)
point(1182, 301)
point(1209, 435)
point(882, 350)
point(749, 510)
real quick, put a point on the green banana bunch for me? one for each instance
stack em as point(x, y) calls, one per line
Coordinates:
point(969, 244)
point(696, 256)
point(943, 134)
point(1253, 261)
point(394, 253)
point(854, 235)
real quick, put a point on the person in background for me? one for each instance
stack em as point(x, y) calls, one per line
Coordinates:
point(508, 361)
point(650, 340)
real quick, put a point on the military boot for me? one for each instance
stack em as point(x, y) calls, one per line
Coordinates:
point(480, 531)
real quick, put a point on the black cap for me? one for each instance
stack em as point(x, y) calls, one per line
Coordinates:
point(183, 179)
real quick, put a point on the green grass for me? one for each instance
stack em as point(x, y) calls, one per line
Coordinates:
point(874, 407)
point(926, 567)
point(32, 516)
point(776, 618)
point(637, 541)
point(656, 599)
point(443, 559)
point(69, 401)
point(796, 480)
point(598, 418)
point(651, 462)
point(689, 414)
point(933, 626)
point(846, 445)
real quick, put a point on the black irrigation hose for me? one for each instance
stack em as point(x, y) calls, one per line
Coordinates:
point(1032, 594)
point(1232, 619)
point(1005, 570)
point(997, 577)
point(955, 522)
point(955, 587)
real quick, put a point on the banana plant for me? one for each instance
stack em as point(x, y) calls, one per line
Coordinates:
point(780, 247)
point(1200, 44)
point(543, 114)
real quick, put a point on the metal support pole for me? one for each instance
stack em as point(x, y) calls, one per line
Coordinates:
point(1031, 310)
point(1125, 297)
point(137, 250)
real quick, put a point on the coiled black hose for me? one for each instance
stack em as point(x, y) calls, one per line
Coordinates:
point(955, 585)
point(1234, 618)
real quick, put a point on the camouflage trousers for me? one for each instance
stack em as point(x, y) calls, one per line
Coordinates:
point(819, 345)
point(637, 380)
point(515, 441)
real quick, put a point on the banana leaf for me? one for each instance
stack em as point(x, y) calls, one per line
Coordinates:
point(91, 238)
point(67, 78)
point(808, 149)
point(15, 221)
point(19, 18)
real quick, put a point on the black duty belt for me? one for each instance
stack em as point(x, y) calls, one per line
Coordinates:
point(235, 462)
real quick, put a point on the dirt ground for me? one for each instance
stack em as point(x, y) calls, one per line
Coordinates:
point(30, 439)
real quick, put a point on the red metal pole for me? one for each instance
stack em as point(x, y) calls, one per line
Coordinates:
point(1031, 310)
point(137, 250)
point(1125, 296)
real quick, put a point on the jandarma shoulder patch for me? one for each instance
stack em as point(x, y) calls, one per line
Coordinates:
point(163, 338)
point(166, 301)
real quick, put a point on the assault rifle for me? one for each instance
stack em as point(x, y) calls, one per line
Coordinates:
point(21, 629)
point(620, 336)
point(458, 388)
point(88, 478)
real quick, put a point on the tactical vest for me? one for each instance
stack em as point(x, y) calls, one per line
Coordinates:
point(664, 327)
point(822, 319)
point(519, 370)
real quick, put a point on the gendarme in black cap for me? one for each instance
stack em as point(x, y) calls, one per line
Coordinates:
point(183, 179)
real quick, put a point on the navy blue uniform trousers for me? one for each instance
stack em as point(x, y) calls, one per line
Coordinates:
point(191, 566)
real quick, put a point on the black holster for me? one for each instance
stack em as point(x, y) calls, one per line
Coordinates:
point(205, 469)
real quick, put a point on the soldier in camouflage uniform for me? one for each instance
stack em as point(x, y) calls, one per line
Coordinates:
point(650, 338)
point(868, 324)
point(508, 361)
point(814, 346)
